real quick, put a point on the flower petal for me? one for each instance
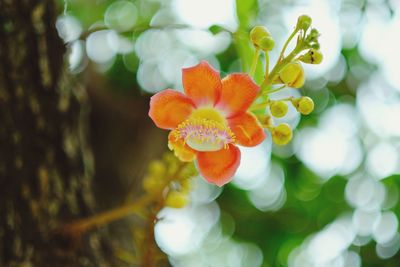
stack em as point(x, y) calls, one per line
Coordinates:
point(168, 108)
point(218, 167)
point(202, 84)
point(182, 151)
point(238, 93)
point(247, 129)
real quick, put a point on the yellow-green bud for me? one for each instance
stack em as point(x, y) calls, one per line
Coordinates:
point(292, 75)
point(304, 22)
point(278, 108)
point(313, 36)
point(157, 168)
point(152, 185)
point(176, 199)
point(305, 105)
point(313, 56)
point(266, 43)
point(282, 134)
point(257, 34)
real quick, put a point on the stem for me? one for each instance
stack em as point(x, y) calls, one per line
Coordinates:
point(280, 65)
point(275, 90)
point(286, 44)
point(106, 217)
point(254, 62)
point(266, 66)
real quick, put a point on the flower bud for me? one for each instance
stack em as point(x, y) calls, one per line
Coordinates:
point(152, 185)
point(157, 168)
point(304, 22)
point(278, 109)
point(292, 75)
point(304, 105)
point(266, 43)
point(313, 56)
point(313, 36)
point(282, 134)
point(176, 200)
point(261, 37)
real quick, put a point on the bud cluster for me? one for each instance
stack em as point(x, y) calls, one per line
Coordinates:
point(170, 181)
point(287, 72)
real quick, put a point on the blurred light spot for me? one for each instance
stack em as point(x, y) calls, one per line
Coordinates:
point(350, 22)
point(363, 221)
point(383, 50)
point(203, 192)
point(386, 227)
point(206, 13)
point(76, 57)
point(270, 195)
point(337, 72)
point(254, 166)
point(361, 240)
point(365, 192)
point(173, 62)
point(328, 244)
point(98, 48)
point(204, 42)
point(380, 112)
point(150, 77)
point(180, 231)
point(148, 45)
point(119, 44)
point(351, 259)
point(388, 249)
point(69, 28)
point(383, 160)
point(332, 148)
point(121, 15)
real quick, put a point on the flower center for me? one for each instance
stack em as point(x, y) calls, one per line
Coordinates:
point(206, 130)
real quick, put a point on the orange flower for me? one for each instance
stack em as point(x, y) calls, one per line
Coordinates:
point(209, 120)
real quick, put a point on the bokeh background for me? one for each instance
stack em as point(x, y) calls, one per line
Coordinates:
point(328, 198)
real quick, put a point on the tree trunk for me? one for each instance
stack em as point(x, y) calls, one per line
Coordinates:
point(46, 166)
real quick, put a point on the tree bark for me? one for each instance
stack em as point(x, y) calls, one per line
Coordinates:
point(46, 165)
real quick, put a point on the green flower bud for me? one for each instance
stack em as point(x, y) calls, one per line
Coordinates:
point(304, 105)
point(152, 185)
point(176, 199)
point(292, 75)
point(304, 22)
point(312, 37)
point(313, 56)
point(266, 43)
point(257, 34)
point(157, 168)
point(278, 109)
point(282, 134)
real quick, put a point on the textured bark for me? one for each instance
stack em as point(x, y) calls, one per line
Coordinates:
point(46, 166)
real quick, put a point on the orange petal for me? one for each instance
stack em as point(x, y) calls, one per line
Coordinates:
point(247, 129)
point(202, 84)
point(181, 150)
point(238, 93)
point(218, 167)
point(168, 108)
